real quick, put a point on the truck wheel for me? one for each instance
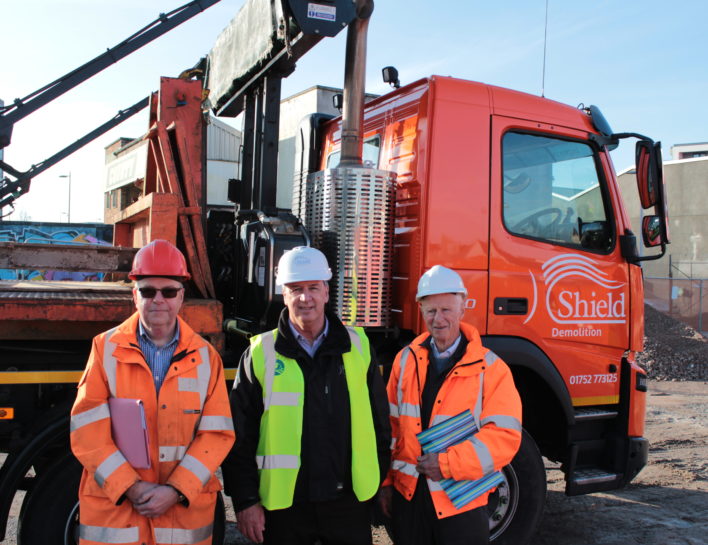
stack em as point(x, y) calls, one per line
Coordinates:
point(516, 507)
point(50, 511)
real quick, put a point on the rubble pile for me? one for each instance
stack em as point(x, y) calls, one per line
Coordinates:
point(672, 349)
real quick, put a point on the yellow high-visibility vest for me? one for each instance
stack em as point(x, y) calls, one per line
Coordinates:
point(279, 443)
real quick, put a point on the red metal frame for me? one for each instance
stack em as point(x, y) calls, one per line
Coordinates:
point(170, 208)
point(172, 203)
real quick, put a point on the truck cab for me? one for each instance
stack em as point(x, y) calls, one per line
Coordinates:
point(518, 194)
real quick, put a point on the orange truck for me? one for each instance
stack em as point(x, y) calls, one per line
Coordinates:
point(515, 192)
point(518, 194)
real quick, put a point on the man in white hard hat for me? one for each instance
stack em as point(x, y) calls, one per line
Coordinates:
point(311, 420)
point(440, 375)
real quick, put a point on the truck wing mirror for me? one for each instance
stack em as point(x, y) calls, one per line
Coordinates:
point(652, 192)
point(646, 168)
point(652, 231)
point(650, 183)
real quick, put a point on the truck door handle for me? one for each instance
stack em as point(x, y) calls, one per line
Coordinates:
point(511, 305)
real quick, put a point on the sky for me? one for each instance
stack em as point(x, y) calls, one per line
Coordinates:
point(639, 61)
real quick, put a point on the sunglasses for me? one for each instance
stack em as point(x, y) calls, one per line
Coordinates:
point(167, 293)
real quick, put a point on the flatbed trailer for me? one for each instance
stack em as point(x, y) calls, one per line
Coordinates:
point(73, 311)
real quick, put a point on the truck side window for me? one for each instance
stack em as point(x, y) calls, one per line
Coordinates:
point(552, 192)
point(370, 153)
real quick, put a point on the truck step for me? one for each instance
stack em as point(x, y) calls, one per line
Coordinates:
point(583, 414)
point(593, 475)
point(588, 480)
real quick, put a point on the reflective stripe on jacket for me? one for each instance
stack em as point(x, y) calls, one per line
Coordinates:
point(480, 382)
point(279, 444)
point(190, 432)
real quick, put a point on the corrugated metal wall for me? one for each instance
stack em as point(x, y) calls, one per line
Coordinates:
point(223, 141)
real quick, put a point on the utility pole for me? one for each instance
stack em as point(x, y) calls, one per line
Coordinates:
point(68, 209)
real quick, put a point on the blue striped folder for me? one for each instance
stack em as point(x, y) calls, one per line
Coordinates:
point(451, 432)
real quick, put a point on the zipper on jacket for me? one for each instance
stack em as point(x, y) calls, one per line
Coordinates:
point(328, 398)
point(181, 355)
point(458, 366)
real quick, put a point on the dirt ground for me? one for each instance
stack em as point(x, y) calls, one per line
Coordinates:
point(667, 503)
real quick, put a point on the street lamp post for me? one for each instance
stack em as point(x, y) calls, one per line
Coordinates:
point(68, 209)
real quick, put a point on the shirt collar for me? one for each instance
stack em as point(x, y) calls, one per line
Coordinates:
point(445, 353)
point(142, 332)
point(299, 337)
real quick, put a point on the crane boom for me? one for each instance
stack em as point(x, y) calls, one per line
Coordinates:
point(22, 107)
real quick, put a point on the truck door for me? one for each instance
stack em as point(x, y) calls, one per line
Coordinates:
point(556, 275)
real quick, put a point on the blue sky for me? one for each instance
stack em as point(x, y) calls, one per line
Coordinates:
point(640, 61)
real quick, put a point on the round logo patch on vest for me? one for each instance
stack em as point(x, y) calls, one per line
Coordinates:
point(279, 367)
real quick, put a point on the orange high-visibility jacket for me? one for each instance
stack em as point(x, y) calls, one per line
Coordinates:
point(190, 433)
point(480, 382)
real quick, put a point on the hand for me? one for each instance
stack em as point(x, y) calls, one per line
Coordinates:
point(251, 522)
point(156, 501)
point(385, 497)
point(137, 490)
point(428, 465)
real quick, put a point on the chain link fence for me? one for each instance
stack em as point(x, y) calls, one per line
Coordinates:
point(680, 298)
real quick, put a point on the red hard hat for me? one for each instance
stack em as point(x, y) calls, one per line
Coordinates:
point(159, 258)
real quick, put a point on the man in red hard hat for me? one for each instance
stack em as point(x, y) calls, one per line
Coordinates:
point(154, 357)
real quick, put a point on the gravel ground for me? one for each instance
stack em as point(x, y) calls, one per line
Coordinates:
point(664, 505)
point(672, 350)
point(666, 502)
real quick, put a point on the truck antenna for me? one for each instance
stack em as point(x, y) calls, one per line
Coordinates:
point(543, 72)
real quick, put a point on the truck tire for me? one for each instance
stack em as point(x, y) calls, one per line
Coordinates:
point(50, 511)
point(516, 507)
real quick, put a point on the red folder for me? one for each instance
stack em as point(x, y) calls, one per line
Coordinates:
point(129, 429)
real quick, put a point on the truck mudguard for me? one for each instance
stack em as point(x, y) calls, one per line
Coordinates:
point(520, 352)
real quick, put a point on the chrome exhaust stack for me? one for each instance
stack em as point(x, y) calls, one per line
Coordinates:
point(354, 86)
point(349, 210)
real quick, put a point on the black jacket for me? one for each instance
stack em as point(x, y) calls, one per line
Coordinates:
point(434, 380)
point(325, 472)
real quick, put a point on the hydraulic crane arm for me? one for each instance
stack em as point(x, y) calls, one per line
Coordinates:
point(11, 189)
point(22, 107)
point(243, 72)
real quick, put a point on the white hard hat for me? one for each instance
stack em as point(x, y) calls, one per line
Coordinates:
point(302, 264)
point(440, 279)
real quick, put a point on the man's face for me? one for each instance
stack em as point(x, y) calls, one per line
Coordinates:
point(442, 314)
point(306, 301)
point(158, 311)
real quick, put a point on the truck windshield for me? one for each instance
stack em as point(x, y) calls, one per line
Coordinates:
point(552, 191)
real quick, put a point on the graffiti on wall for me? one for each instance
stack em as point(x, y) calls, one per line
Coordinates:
point(51, 233)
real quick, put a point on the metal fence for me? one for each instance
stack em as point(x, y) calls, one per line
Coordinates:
point(688, 269)
point(680, 298)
